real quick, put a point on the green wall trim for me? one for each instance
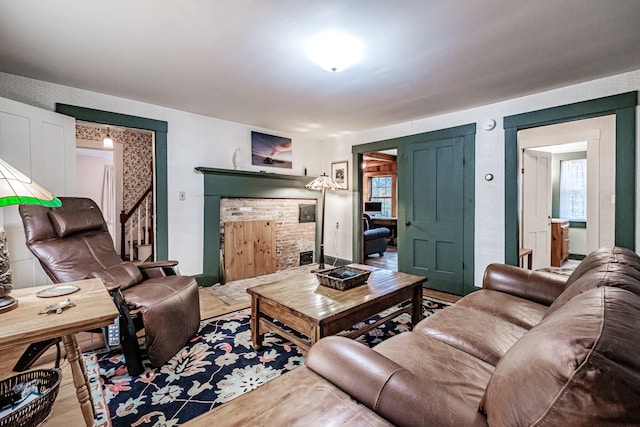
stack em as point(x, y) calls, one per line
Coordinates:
point(161, 189)
point(579, 110)
point(468, 132)
point(624, 107)
point(109, 118)
point(219, 183)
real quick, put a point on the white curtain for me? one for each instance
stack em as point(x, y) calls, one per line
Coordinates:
point(109, 198)
point(573, 189)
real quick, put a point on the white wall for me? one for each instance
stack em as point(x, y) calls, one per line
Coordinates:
point(193, 140)
point(90, 166)
point(489, 220)
point(90, 173)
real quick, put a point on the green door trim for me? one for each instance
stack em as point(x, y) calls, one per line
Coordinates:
point(161, 191)
point(624, 107)
point(468, 132)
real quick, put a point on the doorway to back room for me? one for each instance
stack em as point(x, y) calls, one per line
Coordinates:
point(119, 178)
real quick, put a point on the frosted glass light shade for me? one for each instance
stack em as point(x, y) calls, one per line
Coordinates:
point(107, 143)
point(334, 51)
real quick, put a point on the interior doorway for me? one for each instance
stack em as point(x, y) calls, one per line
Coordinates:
point(567, 181)
point(96, 181)
point(623, 106)
point(119, 177)
point(379, 203)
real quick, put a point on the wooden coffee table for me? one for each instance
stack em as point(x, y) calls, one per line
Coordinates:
point(316, 311)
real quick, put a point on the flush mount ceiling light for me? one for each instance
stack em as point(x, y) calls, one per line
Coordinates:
point(334, 51)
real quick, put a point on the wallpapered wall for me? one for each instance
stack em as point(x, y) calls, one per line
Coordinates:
point(137, 158)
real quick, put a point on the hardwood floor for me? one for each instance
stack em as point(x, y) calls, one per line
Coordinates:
point(389, 261)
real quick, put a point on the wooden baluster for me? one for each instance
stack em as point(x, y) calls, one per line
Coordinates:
point(130, 239)
point(139, 227)
point(146, 220)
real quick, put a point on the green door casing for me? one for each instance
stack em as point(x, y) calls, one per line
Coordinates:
point(431, 224)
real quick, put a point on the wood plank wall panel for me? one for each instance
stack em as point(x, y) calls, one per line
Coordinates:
point(249, 250)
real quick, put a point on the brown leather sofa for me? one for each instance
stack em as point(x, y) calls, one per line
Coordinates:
point(527, 349)
point(72, 242)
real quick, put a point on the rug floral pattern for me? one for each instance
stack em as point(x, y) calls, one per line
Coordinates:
point(218, 365)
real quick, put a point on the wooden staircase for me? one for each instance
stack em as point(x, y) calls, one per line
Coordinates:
point(136, 229)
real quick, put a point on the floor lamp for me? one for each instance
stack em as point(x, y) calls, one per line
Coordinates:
point(16, 189)
point(324, 183)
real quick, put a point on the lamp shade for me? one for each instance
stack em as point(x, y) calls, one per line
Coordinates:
point(18, 189)
point(323, 182)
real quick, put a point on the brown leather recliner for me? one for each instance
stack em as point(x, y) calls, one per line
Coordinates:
point(72, 242)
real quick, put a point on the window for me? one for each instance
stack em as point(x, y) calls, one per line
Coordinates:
point(573, 190)
point(382, 191)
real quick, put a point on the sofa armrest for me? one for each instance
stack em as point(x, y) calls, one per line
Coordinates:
point(352, 366)
point(158, 268)
point(370, 378)
point(531, 285)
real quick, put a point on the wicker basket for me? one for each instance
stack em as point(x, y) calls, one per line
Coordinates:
point(343, 278)
point(36, 411)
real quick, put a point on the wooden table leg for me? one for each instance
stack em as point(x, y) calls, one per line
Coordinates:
point(416, 305)
point(316, 334)
point(256, 336)
point(80, 379)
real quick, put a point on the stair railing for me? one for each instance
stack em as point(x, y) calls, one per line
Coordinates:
point(143, 232)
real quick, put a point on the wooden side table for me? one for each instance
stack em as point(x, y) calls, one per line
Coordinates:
point(23, 325)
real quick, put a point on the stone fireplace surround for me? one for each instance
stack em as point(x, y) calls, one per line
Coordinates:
point(225, 183)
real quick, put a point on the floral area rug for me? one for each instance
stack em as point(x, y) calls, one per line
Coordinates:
point(218, 365)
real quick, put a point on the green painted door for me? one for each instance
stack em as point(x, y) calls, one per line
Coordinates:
point(431, 222)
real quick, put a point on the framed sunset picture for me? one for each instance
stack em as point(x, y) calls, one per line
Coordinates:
point(270, 150)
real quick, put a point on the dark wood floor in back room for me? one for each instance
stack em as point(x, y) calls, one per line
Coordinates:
point(389, 261)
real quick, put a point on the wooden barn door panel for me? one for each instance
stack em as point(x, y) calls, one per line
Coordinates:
point(249, 249)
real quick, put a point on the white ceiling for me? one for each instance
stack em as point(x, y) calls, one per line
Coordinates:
point(244, 60)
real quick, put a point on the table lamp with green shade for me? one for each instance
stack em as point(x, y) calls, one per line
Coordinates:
point(16, 189)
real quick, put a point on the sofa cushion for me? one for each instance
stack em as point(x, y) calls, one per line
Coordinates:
point(457, 326)
point(610, 274)
point(516, 310)
point(403, 378)
point(579, 366)
point(448, 383)
point(601, 258)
